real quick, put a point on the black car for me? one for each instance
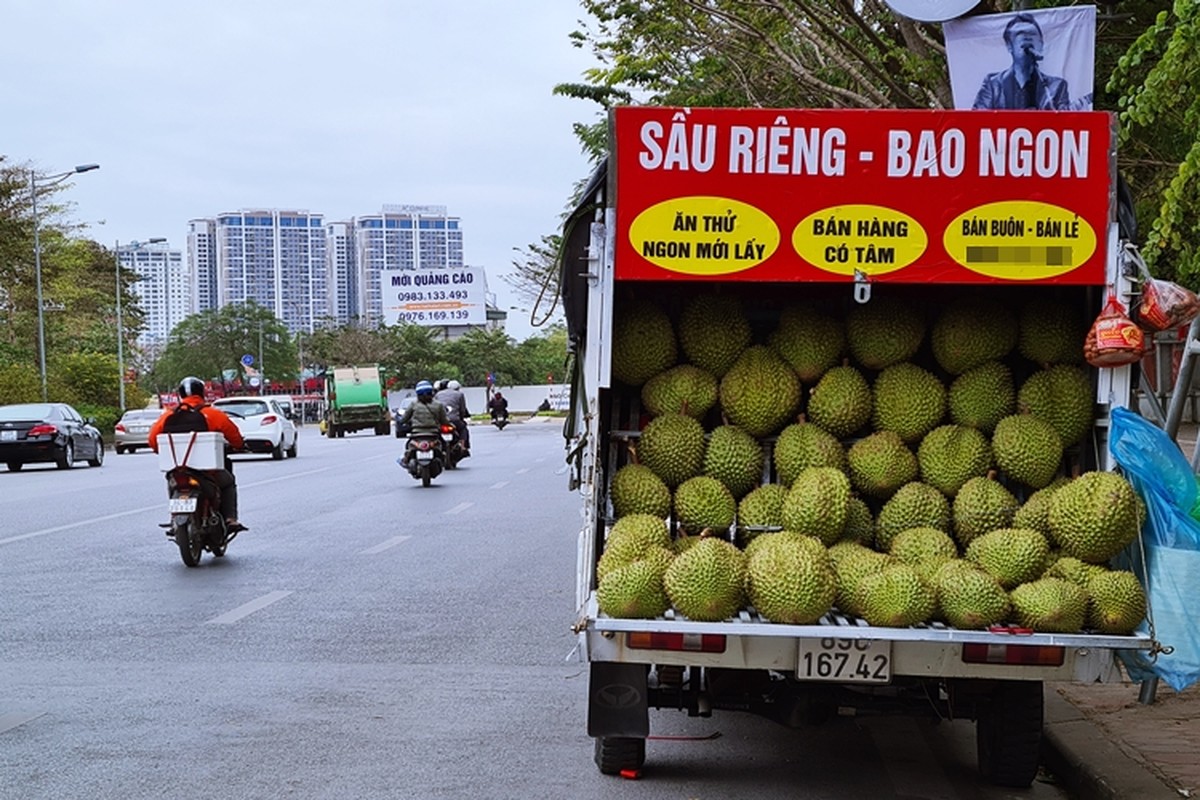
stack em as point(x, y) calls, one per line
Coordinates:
point(55, 432)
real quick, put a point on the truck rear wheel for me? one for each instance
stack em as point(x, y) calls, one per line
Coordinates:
point(1008, 733)
point(617, 753)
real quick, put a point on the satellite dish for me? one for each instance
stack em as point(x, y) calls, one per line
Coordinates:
point(931, 10)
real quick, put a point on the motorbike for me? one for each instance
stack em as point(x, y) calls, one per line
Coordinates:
point(197, 524)
point(456, 451)
point(425, 455)
point(500, 419)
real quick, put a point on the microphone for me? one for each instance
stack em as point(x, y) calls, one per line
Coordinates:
point(1031, 54)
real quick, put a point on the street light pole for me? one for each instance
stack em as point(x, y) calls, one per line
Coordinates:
point(134, 246)
point(262, 373)
point(46, 183)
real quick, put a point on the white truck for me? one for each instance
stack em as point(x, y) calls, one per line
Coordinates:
point(776, 205)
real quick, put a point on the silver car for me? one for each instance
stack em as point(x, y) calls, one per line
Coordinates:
point(133, 430)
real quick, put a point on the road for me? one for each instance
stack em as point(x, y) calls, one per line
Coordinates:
point(366, 638)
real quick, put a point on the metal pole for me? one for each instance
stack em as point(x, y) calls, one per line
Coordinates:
point(37, 269)
point(262, 373)
point(37, 258)
point(120, 330)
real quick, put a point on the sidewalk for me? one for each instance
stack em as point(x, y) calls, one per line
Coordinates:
point(1101, 743)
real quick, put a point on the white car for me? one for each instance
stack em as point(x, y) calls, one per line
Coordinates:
point(264, 426)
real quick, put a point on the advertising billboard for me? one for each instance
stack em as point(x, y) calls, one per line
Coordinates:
point(434, 297)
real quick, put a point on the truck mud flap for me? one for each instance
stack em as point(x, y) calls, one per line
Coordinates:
point(618, 700)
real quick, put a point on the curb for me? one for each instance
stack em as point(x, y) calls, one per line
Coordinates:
point(1088, 763)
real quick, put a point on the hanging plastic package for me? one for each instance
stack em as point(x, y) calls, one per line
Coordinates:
point(1168, 558)
point(1114, 339)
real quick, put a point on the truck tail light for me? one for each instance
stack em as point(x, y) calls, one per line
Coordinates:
point(1014, 654)
point(689, 642)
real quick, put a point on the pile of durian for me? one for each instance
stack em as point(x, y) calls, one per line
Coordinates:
point(899, 461)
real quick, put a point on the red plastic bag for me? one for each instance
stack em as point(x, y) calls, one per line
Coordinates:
point(1113, 340)
point(1166, 305)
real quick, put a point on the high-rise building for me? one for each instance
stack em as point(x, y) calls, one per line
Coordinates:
point(308, 271)
point(343, 275)
point(273, 257)
point(401, 237)
point(202, 263)
point(163, 287)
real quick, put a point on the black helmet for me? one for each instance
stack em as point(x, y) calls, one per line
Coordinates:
point(191, 386)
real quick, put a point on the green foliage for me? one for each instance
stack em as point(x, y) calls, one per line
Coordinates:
point(84, 378)
point(211, 342)
point(1158, 83)
point(771, 53)
point(105, 417)
point(19, 383)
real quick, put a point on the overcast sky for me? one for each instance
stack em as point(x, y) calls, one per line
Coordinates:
point(193, 109)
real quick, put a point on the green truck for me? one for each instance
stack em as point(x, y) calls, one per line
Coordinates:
point(355, 398)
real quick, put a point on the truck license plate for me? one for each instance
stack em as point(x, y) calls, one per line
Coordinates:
point(845, 660)
point(181, 505)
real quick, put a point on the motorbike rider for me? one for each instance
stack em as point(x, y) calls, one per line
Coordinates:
point(456, 409)
point(498, 405)
point(191, 400)
point(427, 416)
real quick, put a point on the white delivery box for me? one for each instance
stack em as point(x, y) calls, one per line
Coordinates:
point(197, 449)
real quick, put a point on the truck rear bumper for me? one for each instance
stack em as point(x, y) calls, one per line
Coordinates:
point(929, 651)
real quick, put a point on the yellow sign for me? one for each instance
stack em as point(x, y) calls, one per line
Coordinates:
point(873, 240)
point(1022, 240)
point(704, 235)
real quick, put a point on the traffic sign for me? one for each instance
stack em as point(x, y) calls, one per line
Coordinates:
point(247, 359)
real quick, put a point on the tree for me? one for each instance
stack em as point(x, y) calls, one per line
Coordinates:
point(1158, 80)
point(771, 53)
point(544, 358)
point(348, 344)
point(19, 383)
point(417, 353)
point(213, 342)
point(479, 352)
point(79, 291)
point(535, 278)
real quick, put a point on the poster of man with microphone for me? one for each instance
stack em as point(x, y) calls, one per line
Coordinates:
point(1050, 54)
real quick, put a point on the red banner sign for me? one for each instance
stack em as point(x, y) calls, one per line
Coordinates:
point(888, 195)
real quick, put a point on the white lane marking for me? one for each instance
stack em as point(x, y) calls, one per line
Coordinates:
point(246, 609)
point(910, 763)
point(15, 719)
point(539, 460)
point(91, 521)
point(144, 509)
point(379, 548)
point(522, 470)
point(562, 469)
point(461, 507)
point(499, 485)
